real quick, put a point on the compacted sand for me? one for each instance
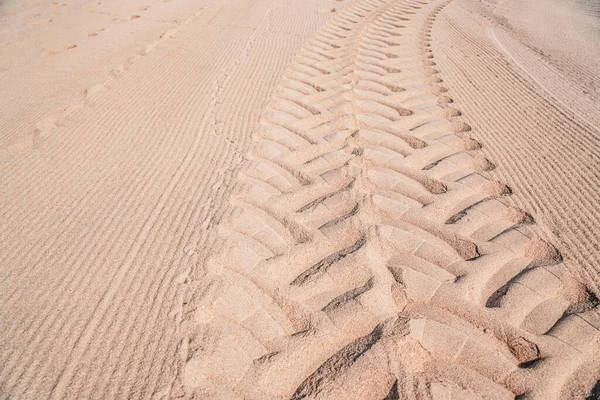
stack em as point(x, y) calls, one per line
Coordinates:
point(285, 199)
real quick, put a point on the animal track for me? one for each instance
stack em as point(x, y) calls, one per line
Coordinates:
point(369, 254)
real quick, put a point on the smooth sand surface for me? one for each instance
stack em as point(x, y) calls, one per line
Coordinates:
point(284, 199)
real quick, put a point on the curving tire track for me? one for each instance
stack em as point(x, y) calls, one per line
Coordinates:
point(369, 255)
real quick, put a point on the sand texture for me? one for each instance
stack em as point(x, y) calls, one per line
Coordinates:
point(281, 199)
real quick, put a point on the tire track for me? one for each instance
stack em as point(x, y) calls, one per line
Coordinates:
point(370, 253)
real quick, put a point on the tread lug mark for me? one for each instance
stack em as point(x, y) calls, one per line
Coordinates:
point(321, 267)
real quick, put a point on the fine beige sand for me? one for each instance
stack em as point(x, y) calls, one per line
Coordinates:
point(285, 199)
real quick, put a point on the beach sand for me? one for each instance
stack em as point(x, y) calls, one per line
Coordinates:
point(284, 199)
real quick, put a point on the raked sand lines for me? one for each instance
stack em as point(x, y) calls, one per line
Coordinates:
point(107, 217)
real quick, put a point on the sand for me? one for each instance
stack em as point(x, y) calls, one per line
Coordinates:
point(241, 199)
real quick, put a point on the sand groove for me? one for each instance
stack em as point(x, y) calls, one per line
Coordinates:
point(369, 234)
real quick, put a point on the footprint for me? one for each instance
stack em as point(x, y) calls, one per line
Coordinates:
point(95, 33)
point(117, 72)
point(48, 52)
point(171, 33)
point(94, 90)
point(40, 22)
point(143, 8)
point(43, 127)
point(148, 49)
point(121, 69)
point(51, 52)
point(134, 17)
